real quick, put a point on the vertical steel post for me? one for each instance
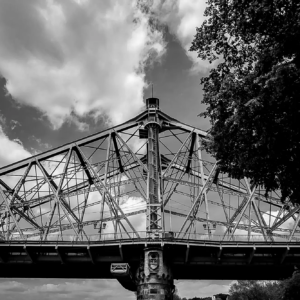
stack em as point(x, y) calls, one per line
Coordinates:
point(154, 278)
point(154, 213)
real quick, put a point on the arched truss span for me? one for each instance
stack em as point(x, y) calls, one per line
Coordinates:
point(96, 188)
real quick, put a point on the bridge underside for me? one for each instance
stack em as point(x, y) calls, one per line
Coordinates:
point(193, 260)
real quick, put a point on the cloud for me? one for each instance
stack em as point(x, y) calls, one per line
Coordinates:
point(182, 17)
point(46, 289)
point(203, 288)
point(138, 221)
point(12, 286)
point(77, 58)
point(2, 119)
point(42, 145)
point(271, 216)
point(14, 124)
point(11, 151)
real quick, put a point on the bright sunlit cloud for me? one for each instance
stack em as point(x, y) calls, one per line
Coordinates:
point(76, 58)
point(10, 151)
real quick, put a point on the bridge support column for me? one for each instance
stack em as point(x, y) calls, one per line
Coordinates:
point(154, 279)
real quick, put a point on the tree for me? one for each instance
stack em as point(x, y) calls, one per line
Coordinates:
point(221, 296)
point(255, 290)
point(253, 93)
point(291, 288)
point(176, 297)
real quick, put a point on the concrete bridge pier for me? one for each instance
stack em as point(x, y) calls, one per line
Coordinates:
point(154, 278)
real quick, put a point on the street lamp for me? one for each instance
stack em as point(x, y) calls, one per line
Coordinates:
point(102, 227)
point(210, 230)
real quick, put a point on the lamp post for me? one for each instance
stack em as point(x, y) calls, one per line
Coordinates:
point(210, 230)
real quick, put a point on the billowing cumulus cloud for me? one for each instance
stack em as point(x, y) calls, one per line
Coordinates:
point(182, 17)
point(10, 151)
point(74, 58)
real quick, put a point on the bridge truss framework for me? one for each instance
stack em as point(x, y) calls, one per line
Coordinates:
point(148, 180)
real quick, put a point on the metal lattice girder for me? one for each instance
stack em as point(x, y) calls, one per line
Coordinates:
point(149, 174)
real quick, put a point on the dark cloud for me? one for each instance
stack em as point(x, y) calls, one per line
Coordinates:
point(16, 289)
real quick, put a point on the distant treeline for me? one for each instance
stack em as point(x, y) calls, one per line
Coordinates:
point(218, 297)
point(288, 289)
point(197, 298)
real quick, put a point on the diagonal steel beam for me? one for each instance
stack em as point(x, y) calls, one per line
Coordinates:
point(112, 200)
point(139, 162)
point(97, 179)
point(267, 232)
point(105, 181)
point(259, 218)
point(4, 198)
point(86, 197)
point(131, 152)
point(88, 223)
point(241, 215)
point(63, 175)
point(25, 217)
point(199, 197)
point(47, 225)
point(230, 188)
point(19, 184)
point(294, 228)
point(285, 218)
point(15, 194)
point(53, 187)
point(177, 154)
point(113, 136)
point(191, 151)
point(202, 173)
point(60, 150)
point(88, 174)
point(170, 194)
point(280, 212)
point(223, 203)
point(9, 190)
point(56, 189)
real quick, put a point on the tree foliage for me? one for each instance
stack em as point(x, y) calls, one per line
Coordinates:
point(290, 289)
point(255, 290)
point(197, 298)
point(253, 92)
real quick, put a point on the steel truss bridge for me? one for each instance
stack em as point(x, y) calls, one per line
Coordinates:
point(144, 203)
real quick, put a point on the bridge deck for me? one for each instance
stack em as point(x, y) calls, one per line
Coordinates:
point(191, 259)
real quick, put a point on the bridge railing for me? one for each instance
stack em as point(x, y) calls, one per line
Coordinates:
point(144, 236)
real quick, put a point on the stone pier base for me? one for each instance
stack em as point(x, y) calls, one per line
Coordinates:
point(154, 278)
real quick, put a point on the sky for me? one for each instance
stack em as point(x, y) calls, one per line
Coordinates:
point(72, 68)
